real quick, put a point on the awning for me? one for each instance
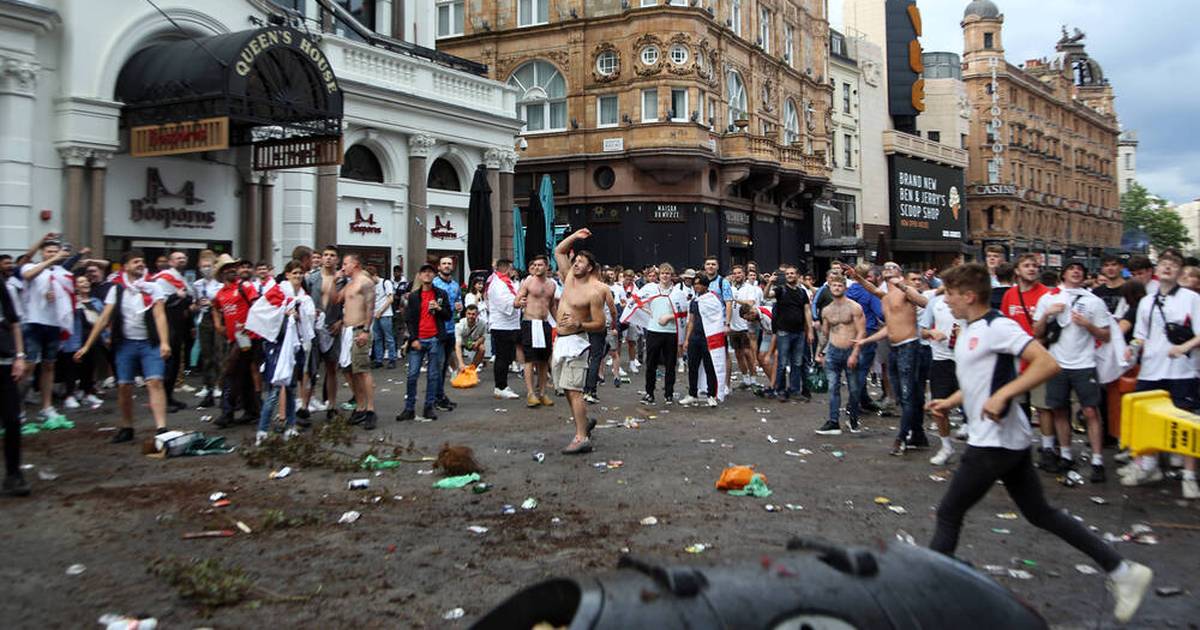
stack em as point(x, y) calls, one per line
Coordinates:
point(275, 78)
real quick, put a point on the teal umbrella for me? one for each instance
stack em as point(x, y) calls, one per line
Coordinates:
point(546, 196)
point(518, 239)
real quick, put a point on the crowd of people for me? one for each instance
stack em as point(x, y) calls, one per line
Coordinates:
point(277, 347)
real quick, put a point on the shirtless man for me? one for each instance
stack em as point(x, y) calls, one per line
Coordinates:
point(535, 298)
point(842, 326)
point(580, 311)
point(900, 304)
point(355, 343)
point(321, 285)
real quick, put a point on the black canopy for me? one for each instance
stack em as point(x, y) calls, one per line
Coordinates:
point(265, 77)
point(535, 229)
point(479, 222)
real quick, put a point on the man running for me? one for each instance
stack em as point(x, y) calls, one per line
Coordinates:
point(580, 311)
point(843, 324)
point(999, 434)
point(535, 298)
point(355, 345)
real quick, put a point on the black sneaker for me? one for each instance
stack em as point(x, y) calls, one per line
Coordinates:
point(123, 435)
point(1098, 475)
point(303, 423)
point(247, 418)
point(224, 421)
point(358, 416)
point(369, 420)
point(444, 405)
point(16, 485)
point(302, 413)
point(391, 364)
point(449, 403)
point(1048, 460)
point(375, 365)
point(174, 406)
point(590, 426)
point(854, 425)
point(1065, 465)
point(648, 399)
point(406, 415)
point(897, 448)
point(669, 399)
point(918, 443)
point(831, 427)
point(428, 413)
point(159, 431)
point(207, 403)
point(617, 382)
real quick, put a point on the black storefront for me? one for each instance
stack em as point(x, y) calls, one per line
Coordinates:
point(832, 240)
point(929, 218)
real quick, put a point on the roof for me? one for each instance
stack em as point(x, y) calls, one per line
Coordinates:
point(982, 8)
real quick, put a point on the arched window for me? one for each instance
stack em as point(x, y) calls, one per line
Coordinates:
point(737, 96)
point(542, 103)
point(442, 176)
point(791, 122)
point(361, 164)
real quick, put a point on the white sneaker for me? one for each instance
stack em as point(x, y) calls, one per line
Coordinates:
point(260, 437)
point(70, 403)
point(687, 401)
point(139, 381)
point(621, 372)
point(111, 382)
point(48, 413)
point(185, 388)
point(202, 392)
point(608, 362)
point(711, 402)
point(1141, 477)
point(943, 457)
point(290, 433)
point(961, 433)
point(517, 368)
point(315, 404)
point(505, 394)
point(1191, 490)
point(216, 392)
point(1128, 584)
point(93, 400)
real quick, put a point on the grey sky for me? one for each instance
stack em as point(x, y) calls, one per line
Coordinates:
point(1148, 50)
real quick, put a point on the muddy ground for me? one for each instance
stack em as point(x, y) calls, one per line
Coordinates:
point(410, 557)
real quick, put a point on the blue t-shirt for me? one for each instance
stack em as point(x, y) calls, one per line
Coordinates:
point(454, 294)
point(721, 288)
point(871, 306)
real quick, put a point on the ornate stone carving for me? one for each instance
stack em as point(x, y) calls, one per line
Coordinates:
point(100, 159)
point(18, 75)
point(420, 145)
point(508, 161)
point(74, 155)
point(506, 65)
point(768, 96)
point(649, 39)
point(616, 73)
point(491, 158)
point(871, 72)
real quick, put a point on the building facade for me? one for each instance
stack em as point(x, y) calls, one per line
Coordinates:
point(1043, 146)
point(1189, 214)
point(674, 130)
point(315, 127)
point(1127, 144)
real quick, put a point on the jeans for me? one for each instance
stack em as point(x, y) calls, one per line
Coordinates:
point(138, 356)
point(432, 349)
point(835, 365)
point(598, 350)
point(385, 341)
point(661, 348)
point(271, 404)
point(977, 474)
point(697, 354)
point(789, 348)
point(903, 363)
point(866, 356)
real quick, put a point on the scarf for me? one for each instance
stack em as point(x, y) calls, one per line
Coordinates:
point(140, 285)
point(712, 320)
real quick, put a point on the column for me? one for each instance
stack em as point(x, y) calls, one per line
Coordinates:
point(18, 82)
point(508, 165)
point(74, 162)
point(418, 204)
point(266, 233)
point(327, 196)
point(251, 218)
point(491, 160)
point(95, 222)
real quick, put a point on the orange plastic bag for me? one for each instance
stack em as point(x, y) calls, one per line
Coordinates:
point(466, 378)
point(736, 477)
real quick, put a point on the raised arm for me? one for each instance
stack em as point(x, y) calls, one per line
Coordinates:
point(562, 253)
point(45, 264)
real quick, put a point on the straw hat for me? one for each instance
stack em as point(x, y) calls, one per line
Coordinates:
point(223, 260)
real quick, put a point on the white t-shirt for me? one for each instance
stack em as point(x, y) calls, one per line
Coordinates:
point(1177, 307)
point(38, 310)
point(745, 293)
point(15, 288)
point(133, 308)
point(937, 316)
point(1076, 347)
point(975, 354)
point(471, 298)
point(660, 306)
point(921, 310)
point(384, 289)
point(503, 313)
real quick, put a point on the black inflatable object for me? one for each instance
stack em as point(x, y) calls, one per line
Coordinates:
point(813, 586)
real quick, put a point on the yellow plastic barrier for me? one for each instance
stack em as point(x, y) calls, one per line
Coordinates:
point(1151, 424)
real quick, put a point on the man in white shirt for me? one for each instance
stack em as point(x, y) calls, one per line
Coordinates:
point(134, 307)
point(505, 326)
point(1167, 363)
point(384, 345)
point(1081, 319)
point(662, 334)
point(747, 294)
point(941, 329)
point(47, 289)
point(998, 433)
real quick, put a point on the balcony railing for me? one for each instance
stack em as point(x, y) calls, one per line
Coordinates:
point(899, 142)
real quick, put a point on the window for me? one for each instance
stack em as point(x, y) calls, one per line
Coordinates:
point(449, 18)
point(533, 12)
point(848, 205)
point(935, 136)
point(712, 111)
point(606, 63)
point(833, 150)
point(606, 111)
point(993, 171)
point(442, 176)
point(789, 43)
point(650, 105)
point(543, 96)
point(848, 150)
point(650, 55)
point(679, 104)
point(764, 29)
point(737, 96)
point(988, 40)
point(679, 54)
point(360, 163)
point(791, 122)
point(962, 141)
point(1129, 161)
point(292, 5)
point(361, 10)
point(735, 17)
point(649, 3)
point(846, 97)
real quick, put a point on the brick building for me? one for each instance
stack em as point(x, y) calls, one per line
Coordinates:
point(673, 129)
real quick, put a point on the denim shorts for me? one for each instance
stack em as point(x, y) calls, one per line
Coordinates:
point(41, 342)
point(138, 356)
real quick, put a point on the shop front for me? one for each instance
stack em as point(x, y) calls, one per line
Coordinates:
point(640, 234)
point(929, 221)
point(447, 234)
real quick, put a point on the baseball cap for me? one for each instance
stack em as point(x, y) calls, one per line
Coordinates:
point(689, 273)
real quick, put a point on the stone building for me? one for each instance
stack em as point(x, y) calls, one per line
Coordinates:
point(673, 129)
point(1043, 146)
point(1127, 145)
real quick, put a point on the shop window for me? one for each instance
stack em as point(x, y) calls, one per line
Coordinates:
point(361, 164)
point(443, 176)
point(543, 101)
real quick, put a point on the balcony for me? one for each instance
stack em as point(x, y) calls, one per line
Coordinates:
point(903, 143)
point(357, 64)
point(765, 149)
